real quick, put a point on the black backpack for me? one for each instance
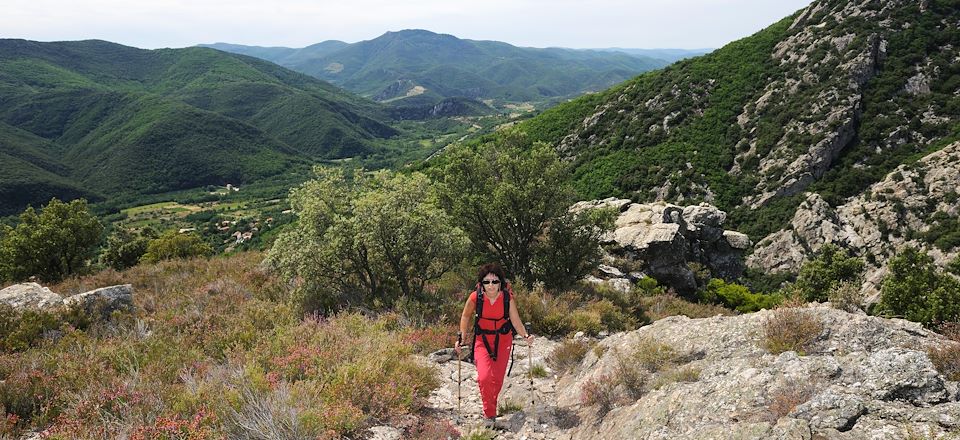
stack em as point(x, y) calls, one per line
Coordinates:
point(505, 328)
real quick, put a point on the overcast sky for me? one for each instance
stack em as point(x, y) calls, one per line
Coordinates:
point(296, 23)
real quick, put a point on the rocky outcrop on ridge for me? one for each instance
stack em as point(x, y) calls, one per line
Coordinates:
point(891, 214)
point(665, 238)
point(864, 377)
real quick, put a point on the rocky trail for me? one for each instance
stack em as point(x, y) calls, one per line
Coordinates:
point(860, 377)
point(531, 415)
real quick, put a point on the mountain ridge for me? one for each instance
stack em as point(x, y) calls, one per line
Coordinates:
point(414, 55)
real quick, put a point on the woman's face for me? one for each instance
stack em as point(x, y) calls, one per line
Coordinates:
point(491, 284)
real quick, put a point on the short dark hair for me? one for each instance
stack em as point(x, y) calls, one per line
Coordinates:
point(493, 268)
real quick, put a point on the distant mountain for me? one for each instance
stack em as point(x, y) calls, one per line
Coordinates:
point(668, 55)
point(282, 55)
point(404, 64)
point(98, 119)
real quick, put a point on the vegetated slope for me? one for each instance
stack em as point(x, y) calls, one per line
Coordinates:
point(29, 172)
point(395, 63)
point(115, 119)
point(829, 99)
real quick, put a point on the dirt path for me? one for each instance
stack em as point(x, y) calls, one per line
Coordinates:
point(540, 419)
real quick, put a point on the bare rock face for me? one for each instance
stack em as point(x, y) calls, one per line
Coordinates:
point(891, 214)
point(30, 295)
point(665, 238)
point(863, 377)
point(866, 377)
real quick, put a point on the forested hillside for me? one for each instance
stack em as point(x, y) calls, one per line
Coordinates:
point(95, 118)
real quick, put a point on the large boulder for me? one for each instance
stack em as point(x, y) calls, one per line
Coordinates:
point(97, 303)
point(665, 238)
point(30, 295)
point(103, 301)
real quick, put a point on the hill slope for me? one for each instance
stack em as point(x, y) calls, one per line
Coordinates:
point(120, 119)
point(443, 66)
point(827, 100)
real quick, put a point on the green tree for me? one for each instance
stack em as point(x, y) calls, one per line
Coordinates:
point(51, 244)
point(571, 247)
point(915, 290)
point(821, 275)
point(366, 239)
point(504, 194)
point(125, 247)
point(173, 245)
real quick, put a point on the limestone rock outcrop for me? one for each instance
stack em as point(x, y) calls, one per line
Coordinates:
point(665, 238)
point(863, 377)
point(895, 212)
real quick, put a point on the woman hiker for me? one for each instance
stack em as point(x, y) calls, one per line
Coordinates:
point(497, 321)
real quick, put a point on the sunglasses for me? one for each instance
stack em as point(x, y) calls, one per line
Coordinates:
point(490, 281)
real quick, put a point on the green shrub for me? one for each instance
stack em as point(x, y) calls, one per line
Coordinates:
point(915, 290)
point(819, 276)
point(508, 406)
point(669, 304)
point(629, 303)
point(125, 248)
point(539, 371)
point(547, 314)
point(738, 297)
point(677, 374)
point(20, 330)
point(653, 355)
point(573, 312)
point(599, 316)
point(173, 245)
point(632, 376)
point(954, 266)
point(32, 395)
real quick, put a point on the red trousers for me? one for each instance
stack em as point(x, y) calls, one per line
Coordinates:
point(490, 373)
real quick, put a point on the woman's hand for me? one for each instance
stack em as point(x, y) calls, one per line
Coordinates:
point(528, 338)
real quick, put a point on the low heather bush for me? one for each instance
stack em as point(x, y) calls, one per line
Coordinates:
point(568, 355)
point(599, 391)
point(791, 329)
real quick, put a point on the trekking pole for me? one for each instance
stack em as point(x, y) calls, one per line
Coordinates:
point(459, 339)
point(530, 364)
point(458, 383)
